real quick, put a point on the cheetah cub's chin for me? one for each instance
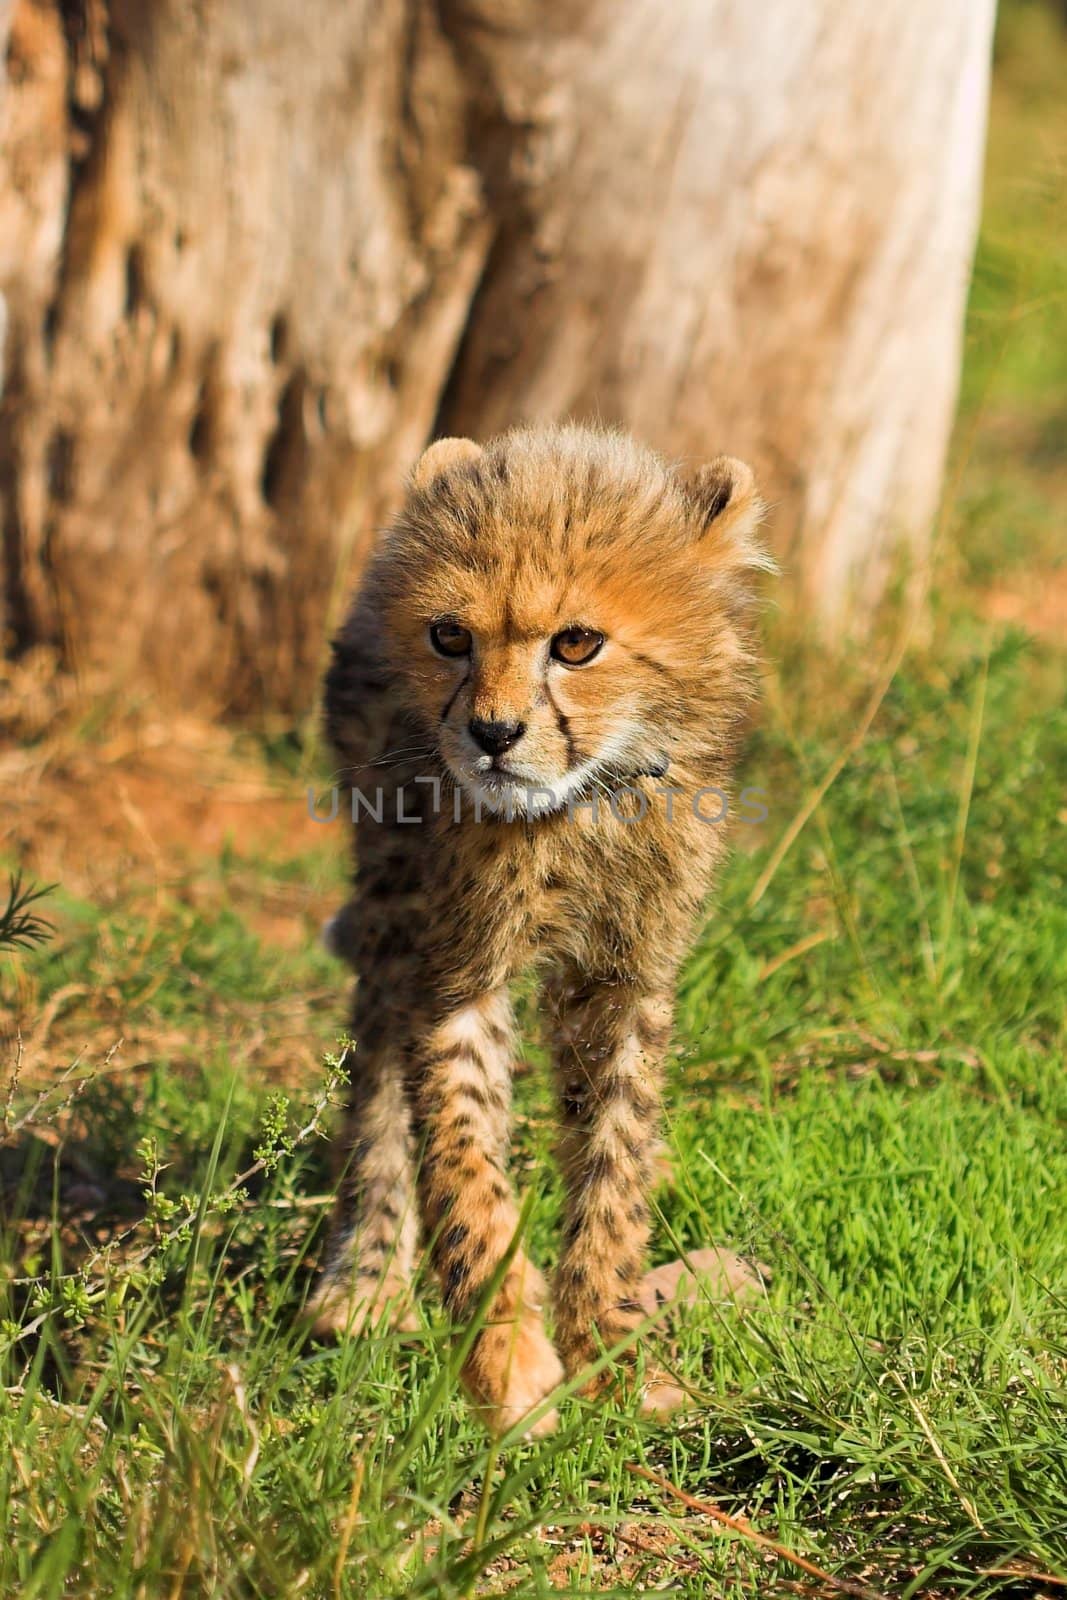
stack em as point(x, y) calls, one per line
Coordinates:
point(542, 678)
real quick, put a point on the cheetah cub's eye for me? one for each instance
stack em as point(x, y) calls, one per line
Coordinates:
point(575, 647)
point(449, 639)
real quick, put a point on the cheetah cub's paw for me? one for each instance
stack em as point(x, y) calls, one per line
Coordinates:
point(508, 1373)
point(660, 1396)
point(339, 1310)
point(655, 1394)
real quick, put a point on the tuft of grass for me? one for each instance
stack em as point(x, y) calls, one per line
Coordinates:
point(20, 925)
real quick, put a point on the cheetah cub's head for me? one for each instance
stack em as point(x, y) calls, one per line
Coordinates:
point(564, 610)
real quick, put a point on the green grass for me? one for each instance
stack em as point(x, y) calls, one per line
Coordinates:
point(880, 1118)
point(1010, 507)
point(869, 1096)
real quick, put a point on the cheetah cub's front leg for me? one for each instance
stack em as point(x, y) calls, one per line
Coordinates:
point(460, 1095)
point(609, 1042)
point(367, 1272)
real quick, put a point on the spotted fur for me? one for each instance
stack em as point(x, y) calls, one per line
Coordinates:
point(577, 850)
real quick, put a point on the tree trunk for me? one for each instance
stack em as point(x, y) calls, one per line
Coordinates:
point(240, 244)
point(221, 366)
point(747, 228)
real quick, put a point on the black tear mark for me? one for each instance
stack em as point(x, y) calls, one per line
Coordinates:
point(574, 755)
point(455, 696)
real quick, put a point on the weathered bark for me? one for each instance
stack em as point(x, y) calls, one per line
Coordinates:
point(749, 228)
point(239, 246)
point(234, 349)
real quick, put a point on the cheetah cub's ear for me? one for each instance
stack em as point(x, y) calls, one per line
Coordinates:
point(725, 494)
point(440, 457)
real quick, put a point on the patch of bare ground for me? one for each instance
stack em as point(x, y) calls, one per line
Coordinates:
point(148, 793)
point(163, 818)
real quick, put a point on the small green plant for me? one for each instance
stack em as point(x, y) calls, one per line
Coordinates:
point(20, 926)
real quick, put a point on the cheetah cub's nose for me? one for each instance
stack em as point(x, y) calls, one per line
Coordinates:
point(495, 737)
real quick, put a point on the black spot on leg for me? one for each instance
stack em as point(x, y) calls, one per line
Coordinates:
point(600, 1168)
point(610, 1223)
point(573, 1227)
point(455, 1284)
point(455, 1238)
point(457, 1052)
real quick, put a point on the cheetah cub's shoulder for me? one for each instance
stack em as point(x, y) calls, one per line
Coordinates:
point(537, 698)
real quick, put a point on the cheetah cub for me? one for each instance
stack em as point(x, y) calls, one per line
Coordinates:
point(536, 700)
